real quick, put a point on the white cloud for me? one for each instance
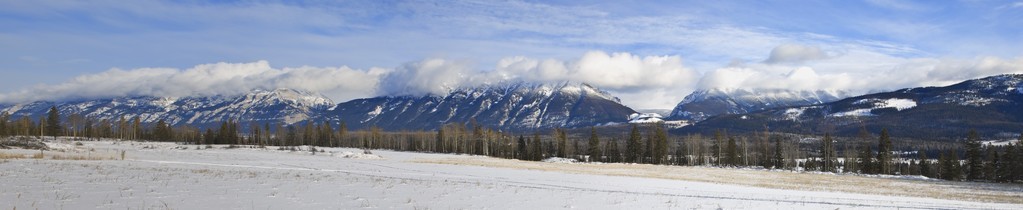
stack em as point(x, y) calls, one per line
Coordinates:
point(430, 76)
point(205, 80)
point(1018, 4)
point(794, 53)
point(859, 72)
point(896, 5)
point(617, 71)
point(641, 81)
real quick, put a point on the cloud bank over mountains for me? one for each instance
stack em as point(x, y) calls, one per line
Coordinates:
point(204, 80)
point(641, 81)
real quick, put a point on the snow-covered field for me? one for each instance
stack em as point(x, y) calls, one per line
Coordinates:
point(170, 176)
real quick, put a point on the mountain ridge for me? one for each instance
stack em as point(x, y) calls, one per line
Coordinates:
point(512, 106)
point(705, 103)
point(508, 105)
point(989, 105)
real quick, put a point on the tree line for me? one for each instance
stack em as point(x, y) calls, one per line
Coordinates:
point(647, 144)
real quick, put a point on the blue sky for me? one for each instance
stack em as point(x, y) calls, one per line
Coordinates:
point(53, 47)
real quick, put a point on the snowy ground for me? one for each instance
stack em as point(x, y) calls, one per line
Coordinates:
point(169, 176)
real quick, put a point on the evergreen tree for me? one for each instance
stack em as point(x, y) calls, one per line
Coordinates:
point(1012, 161)
point(680, 154)
point(732, 153)
point(659, 151)
point(884, 153)
point(828, 157)
point(562, 140)
point(342, 134)
point(950, 167)
point(991, 164)
point(614, 154)
point(136, 128)
point(648, 149)
point(161, 132)
point(266, 133)
point(925, 164)
point(209, 137)
point(53, 127)
point(439, 142)
point(634, 147)
point(292, 136)
point(537, 149)
point(90, 129)
point(520, 150)
point(1017, 162)
point(715, 148)
point(594, 146)
point(867, 165)
point(763, 153)
point(1002, 168)
point(257, 134)
point(4, 117)
point(778, 161)
point(974, 158)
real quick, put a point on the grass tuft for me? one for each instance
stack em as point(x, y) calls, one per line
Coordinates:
point(5, 156)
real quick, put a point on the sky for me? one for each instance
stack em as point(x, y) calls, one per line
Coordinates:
point(651, 54)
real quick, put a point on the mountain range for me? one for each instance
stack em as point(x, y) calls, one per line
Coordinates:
point(259, 106)
point(510, 106)
point(705, 103)
point(993, 106)
point(990, 105)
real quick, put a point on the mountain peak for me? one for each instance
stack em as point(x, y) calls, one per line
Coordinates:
point(704, 103)
point(506, 105)
point(988, 105)
point(286, 106)
point(546, 88)
point(293, 96)
point(1001, 84)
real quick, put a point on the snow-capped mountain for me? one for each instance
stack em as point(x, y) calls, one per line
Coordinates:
point(261, 106)
point(705, 103)
point(511, 106)
point(645, 118)
point(991, 105)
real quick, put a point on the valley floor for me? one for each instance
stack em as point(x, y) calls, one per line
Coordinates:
point(169, 176)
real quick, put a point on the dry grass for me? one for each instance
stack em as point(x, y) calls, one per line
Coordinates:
point(5, 156)
point(983, 192)
point(76, 157)
point(52, 156)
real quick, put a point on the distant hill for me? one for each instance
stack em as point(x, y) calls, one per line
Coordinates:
point(992, 105)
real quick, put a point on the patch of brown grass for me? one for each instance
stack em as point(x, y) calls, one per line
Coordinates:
point(51, 155)
point(5, 156)
point(76, 157)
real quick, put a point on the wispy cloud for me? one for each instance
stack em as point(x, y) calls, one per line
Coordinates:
point(897, 4)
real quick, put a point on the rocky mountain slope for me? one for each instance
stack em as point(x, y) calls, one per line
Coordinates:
point(260, 106)
point(993, 106)
point(705, 103)
point(511, 106)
